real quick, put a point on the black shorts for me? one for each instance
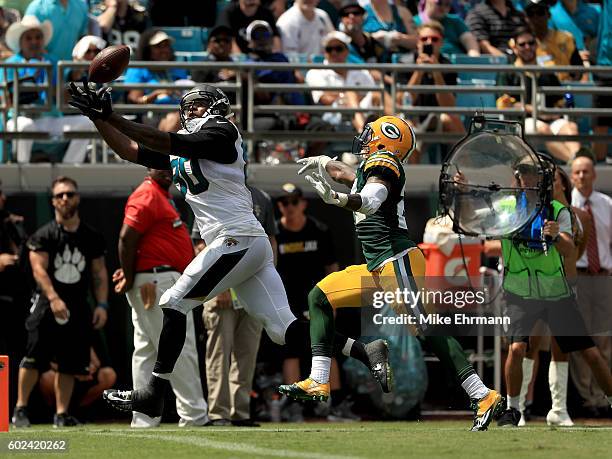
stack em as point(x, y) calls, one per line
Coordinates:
point(562, 316)
point(68, 345)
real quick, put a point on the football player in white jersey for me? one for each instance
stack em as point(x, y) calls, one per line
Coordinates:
point(207, 161)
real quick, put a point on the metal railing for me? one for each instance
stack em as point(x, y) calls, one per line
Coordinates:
point(246, 85)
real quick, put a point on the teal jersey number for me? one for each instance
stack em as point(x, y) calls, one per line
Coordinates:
point(194, 180)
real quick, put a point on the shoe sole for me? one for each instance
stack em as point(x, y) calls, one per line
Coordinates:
point(304, 397)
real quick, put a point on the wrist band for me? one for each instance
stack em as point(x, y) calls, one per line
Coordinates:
point(103, 306)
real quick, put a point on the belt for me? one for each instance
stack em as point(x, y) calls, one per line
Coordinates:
point(601, 272)
point(158, 269)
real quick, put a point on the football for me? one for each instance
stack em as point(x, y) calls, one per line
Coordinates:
point(109, 64)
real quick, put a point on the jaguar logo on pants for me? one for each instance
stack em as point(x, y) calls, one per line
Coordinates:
point(230, 242)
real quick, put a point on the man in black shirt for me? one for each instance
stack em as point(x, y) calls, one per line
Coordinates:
point(305, 255)
point(238, 15)
point(67, 258)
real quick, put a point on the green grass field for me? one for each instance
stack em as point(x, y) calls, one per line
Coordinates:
point(323, 440)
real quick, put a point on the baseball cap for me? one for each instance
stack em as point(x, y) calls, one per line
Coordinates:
point(536, 4)
point(220, 29)
point(346, 4)
point(159, 37)
point(336, 35)
point(256, 27)
point(289, 190)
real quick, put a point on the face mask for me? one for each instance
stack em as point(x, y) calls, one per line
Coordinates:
point(194, 124)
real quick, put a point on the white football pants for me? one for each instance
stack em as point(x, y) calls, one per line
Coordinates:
point(244, 263)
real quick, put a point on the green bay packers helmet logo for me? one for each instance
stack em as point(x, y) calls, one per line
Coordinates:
point(390, 130)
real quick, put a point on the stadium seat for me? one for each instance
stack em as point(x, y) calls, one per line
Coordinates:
point(402, 58)
point(486, 78)
point(187, 38)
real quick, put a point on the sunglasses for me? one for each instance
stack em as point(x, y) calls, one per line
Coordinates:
point(524, 44)
point(290, 201)
point(432, 38)
point(353, 12)
point(68, 194)
point(337, 49)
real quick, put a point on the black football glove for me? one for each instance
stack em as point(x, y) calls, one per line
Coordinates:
point(96, 104)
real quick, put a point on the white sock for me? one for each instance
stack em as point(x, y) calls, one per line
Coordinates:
point(346, 350)
point(474, 387)
point(165, 376)
point(319, 371)
point(513, 402)
point(527, 374)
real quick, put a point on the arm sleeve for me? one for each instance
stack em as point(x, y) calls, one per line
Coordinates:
point(215, 142)
point(565, 222)
point(372, 197)
point(152, 159)
point(140, 211)
point(39, 241)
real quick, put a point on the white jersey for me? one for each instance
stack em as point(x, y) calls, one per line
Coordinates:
point(208, 169)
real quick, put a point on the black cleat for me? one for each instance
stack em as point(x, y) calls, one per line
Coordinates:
point(20, 417)
point(141, 400)
point(65, 420)
point(509, 418)
point(378, 356)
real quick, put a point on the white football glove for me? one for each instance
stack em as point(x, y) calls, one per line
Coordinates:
point(313, 162)
point(324, 189)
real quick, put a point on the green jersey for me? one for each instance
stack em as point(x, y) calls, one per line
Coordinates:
point(383, 234)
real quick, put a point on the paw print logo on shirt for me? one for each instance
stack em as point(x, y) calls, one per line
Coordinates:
point(69, 266)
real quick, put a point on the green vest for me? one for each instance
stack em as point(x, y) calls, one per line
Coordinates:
point(532, 273)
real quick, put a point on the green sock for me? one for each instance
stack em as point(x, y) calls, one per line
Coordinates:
point(450, 353)
point(322, 327)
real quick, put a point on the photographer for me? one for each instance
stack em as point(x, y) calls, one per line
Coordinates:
point(535, 288)
point(431, 38)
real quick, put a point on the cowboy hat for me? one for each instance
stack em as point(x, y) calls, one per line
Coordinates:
point(16, 29)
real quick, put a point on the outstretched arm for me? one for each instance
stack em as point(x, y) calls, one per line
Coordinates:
point(148, 136)
point(117, 141)
point(367, 201)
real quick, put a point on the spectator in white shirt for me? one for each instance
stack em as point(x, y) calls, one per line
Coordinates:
point(594, 296)
point(303, 26)
point(335, 45)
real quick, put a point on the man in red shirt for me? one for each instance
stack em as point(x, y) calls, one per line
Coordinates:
point(154, 249)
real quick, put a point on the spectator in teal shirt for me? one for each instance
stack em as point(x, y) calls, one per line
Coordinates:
point(457, 37)
point(578, 18)
point(69, 19)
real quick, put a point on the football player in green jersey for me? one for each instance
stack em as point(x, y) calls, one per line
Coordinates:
point(393, 260)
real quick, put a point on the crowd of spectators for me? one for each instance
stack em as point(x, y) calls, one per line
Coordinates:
point(567, 32)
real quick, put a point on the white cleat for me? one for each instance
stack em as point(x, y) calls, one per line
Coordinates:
point(522, 422)
point(559, 418)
